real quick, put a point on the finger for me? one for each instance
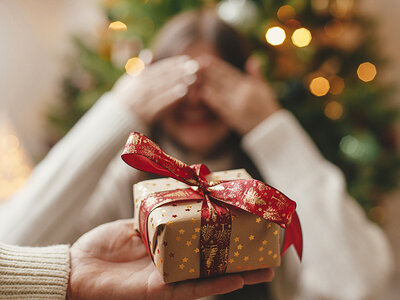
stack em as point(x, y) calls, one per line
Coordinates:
point(258, 276)
point(254, 67)
point(168, 98)
point(198, 288)
point(167, 80)
point(178, 65)
point(215, 99)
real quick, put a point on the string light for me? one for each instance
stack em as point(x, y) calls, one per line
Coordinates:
point(301, 37)
point(320, 5)
point(275, 35)
point(337, 85)
point(366, 71)
point(117, 26)
point(134, 66)
point(333, 110)
point(319, 86)
point(286, 12)
point(14, 165)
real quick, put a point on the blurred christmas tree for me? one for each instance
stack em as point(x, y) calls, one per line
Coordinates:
point(319, 55)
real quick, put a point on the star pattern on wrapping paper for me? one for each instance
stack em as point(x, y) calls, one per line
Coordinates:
point(264, 242)
point(191, 270)
point(185, 259)
point(246, 258)
point(240, 247)
point(196, 250)
point(258, 220)
point(188, 243)
point(236, 239)
point(181, 266)
point(251, 237)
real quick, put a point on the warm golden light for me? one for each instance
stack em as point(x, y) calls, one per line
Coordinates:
point(275, 35)
point(337, 85)
point(14, 165)
point(333, 110)
point(286, 12)
point(117, 26)
point(134, 66)
point(319, 86)
point(366, 71)
point(301, 37)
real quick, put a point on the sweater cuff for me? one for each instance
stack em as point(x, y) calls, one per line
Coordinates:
point(282, 149)
point(34, 273)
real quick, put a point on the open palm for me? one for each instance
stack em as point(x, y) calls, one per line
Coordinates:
point(111, 262)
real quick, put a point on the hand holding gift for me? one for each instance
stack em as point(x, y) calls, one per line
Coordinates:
point(209, 224)
point(118, 267)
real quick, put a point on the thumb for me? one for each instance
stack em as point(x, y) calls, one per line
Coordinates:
point(254, 67)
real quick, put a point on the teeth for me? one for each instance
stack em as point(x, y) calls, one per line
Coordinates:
point(194, 116)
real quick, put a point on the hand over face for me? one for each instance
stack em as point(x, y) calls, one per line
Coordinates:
point(242, 100)
point(157, 87)
point(110, 262)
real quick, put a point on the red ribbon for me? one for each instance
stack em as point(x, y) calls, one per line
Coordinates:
point(250, 195)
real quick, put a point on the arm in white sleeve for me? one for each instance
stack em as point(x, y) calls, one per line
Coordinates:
point(345, 256)
point(61, 185)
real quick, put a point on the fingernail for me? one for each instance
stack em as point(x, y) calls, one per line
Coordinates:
point(191, 66)
point(189, 79)
point(181, 90)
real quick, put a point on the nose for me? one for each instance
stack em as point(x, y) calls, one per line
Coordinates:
point(193, 94)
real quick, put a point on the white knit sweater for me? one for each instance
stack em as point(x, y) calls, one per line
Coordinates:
point(83, 183)
point(33, 273)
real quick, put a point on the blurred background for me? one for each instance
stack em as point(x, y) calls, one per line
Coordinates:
point(334, 64)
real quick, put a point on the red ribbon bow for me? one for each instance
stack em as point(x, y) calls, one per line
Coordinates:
point(250, 195)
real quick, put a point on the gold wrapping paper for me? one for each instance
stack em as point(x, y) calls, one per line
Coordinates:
point(174, 233)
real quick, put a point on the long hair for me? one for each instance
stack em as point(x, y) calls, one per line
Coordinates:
point(203, 25)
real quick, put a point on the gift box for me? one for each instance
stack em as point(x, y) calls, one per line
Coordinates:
point(201, 224)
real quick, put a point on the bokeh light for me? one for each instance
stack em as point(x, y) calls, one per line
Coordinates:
point(333, 110)
point(134, 66)
point(366, 71)
point(286, 12)
point(275, 35)
point(117, 26)
point(337, 85)
point(301, 37)
point(319, 86)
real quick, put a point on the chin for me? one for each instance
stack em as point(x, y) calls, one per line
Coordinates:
point(202, 145)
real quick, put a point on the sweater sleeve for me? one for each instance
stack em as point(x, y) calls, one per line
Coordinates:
point(34, 273)
point(61, 185)
point(345, 255)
